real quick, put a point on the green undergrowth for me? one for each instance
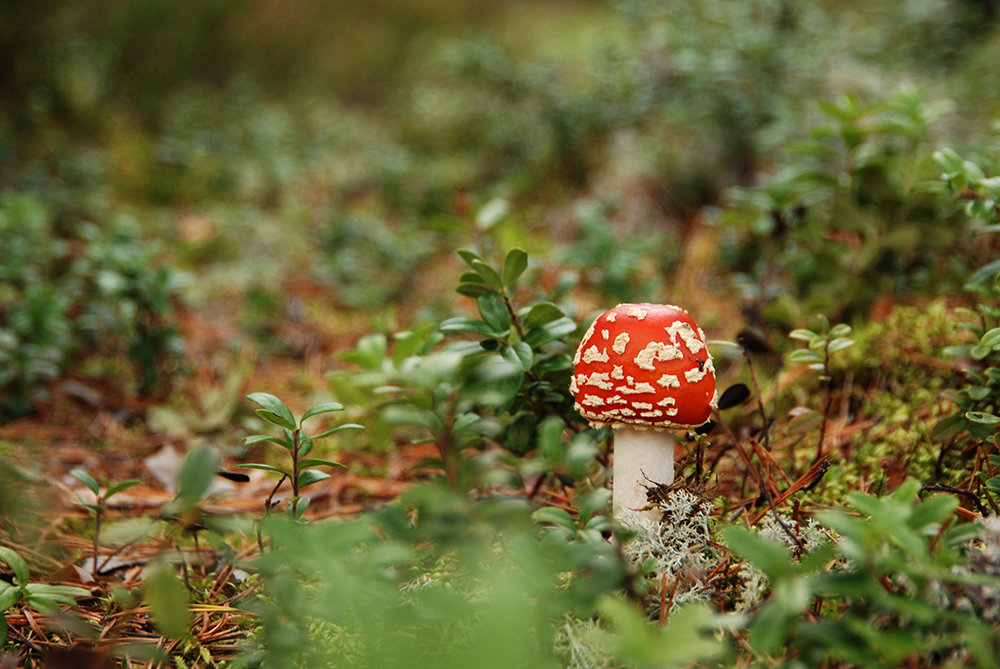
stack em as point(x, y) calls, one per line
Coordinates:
point(431, 203)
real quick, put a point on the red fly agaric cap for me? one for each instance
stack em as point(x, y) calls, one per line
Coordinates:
point(644, 365)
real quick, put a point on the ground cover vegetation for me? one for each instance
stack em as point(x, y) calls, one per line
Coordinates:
point(289, 294)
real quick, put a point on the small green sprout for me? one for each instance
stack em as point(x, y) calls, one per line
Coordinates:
point(298, 444)
point(97, 507)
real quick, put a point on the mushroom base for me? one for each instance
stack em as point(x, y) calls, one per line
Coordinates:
point(642, 458)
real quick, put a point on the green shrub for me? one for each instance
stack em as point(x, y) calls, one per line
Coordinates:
point(852, 215)
point(69, 290)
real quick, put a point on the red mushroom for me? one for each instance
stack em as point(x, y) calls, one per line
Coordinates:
point(644, 370)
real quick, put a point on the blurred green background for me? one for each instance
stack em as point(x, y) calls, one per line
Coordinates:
point(241, 159)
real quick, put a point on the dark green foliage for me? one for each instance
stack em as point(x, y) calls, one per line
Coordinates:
point(434, 581)
point(499, 389)
point(297, 443)
point(20, 590)
point(851, 216)
point(69, 289)
point(894, 584)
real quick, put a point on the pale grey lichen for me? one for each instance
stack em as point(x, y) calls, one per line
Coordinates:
point(679, 544)
point(985, 561)
point(582, 644)
point(753, 585)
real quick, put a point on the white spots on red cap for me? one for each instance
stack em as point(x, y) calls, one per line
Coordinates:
point(656, 351)
point(639, 313)
point(696, 374)
point(669, 381)
point(586, 337)
point(600, 379)
point(592, 401)
point(668, 404)
point(621, 341)
point(637, 389)
point(594, 354)
point(611, 316)
point(645, 406)
point(604, 333)
point(687, 335)
point(655, 413)
point(618, 373)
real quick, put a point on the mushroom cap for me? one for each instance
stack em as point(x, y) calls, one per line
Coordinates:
point(644, 365)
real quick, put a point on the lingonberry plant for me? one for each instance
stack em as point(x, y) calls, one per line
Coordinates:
point(301, 473)
point(98, 506)
point(500, 378)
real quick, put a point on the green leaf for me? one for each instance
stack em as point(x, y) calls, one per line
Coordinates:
point(328, 407)
point(310, 476)
point(9, 596)
point(551, 331)
point(196, 475)
point(43, 604)
point(994, 484)
point(805, 355)
point(369, 352)
point(273, 410)
point(519, 355)
point(990, 338)
point(471, 277)
point(264, 467)
point(802, 334)
point(840, 330)
point(555, 516)
point(168, 600)
point(840, 343)
point(492, 213)
point(409, 414)
point(948, 428)
point(513, 267)
point(958, 535)
point(87, 480)
point(119, 487)
point(305, 446)
point(332, 430)
point(932, 511)
point(258, 438)
point(494, 311)
point(984, 273)
point(470, 325)
point(469, 256)
point(540, 314)
point(983, 417)
point(17, 564)
point(559, 362)
point(978, 352)
point(318, 462)
point(466, 421)
point(773, 559)
point(771, 626)
point(412, 342)
point(490, 275)
point(949, 161)
point(473, 290)
point(63, 594)
point(296, 507)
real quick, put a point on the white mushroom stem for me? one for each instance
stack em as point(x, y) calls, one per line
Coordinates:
point(643, 458)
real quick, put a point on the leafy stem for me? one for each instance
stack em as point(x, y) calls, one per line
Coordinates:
point(298, 444)
point(822, 345)
point(97, 508)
